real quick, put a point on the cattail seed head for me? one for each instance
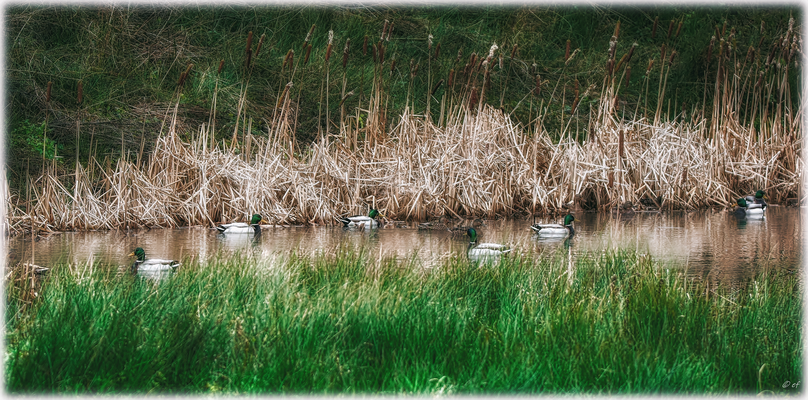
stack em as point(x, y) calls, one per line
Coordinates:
point(610, 67)
point(260, 43)
point(662, 53)
point(384, 29)
point(80, 94)
point(48, 92)
point(365, 46)
point(308, 37)
point(631, 52)
point(373, 52)
point(473, 97)
point(392, 66)
point(612, 47)
point(500, 61)
point(286, 60)
point(380, 52)
point(650, 65)
point(679, 29)
point(537, 89)
point(617, 30)
point(670, 29)
point(762, 25)
point(513, 51)
point(221, 65)
point(491, 51)
point(308, 53)
point(610, 176)
point(620, 150)
point(389, 31)
point(673, 54)
point(283, 95)
point(628, 75)
point(459, 56)
point(437, 51)
point(328, 52)
point(451, 77)
point(249, 42)
point(724, 29)
point(567, 52)
point(435, 89)
point(653, 30)
point(750, 54)
point(760, 79)
point(248, 59)
point(347, 95)
point(429, 41)
point(620, 63)
point(345, 53)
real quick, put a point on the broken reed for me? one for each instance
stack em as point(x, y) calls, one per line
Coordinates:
point(743, 128)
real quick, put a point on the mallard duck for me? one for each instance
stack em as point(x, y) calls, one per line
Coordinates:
point(152, 265)
point(478, 251)
point(439, 225)
point(757, 198)
point(253, 227)
point(362, 221)
point(749, 210)
point(556, 230)
point(461, 231)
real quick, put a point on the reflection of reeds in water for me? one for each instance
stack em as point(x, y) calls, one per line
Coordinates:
point(474, 161)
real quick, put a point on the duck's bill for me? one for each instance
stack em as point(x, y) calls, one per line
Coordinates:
point(132, 254)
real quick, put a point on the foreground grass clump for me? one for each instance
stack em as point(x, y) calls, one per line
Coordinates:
point(345, 323)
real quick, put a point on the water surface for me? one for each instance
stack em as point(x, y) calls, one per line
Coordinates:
point(707, 244)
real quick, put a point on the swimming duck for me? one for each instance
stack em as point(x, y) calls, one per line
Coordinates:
point(242, 227)
point(439, 225)
point(152, 265)
point(461, 231)
point(361, 221)
point(483, 250)
point(757, 198)
point(751, 210)
point(556, 230)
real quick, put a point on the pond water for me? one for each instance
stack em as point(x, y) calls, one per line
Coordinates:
point(708, 244)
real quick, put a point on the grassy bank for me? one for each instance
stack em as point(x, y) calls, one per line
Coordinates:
point(348, 323)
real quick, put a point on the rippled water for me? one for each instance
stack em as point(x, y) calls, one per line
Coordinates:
point(712, 244)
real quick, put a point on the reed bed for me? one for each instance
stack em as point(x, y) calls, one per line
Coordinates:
point(481, 165)
point(472, 160)
point(348, 323)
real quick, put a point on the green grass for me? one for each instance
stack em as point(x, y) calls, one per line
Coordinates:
point(346, 323)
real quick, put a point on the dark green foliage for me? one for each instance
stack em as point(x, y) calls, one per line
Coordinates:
point(615, 323)
point(130, 60)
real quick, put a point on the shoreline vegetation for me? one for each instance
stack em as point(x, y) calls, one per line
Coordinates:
point(458, 151)
point(349, 323)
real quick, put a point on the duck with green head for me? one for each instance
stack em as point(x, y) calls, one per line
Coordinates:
point(152, 265)
point(758, 198)
point(253, 227)
point(479, 251)
point(555, 230)
point(361, 221)
point(745, 209)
